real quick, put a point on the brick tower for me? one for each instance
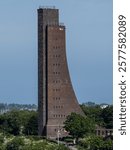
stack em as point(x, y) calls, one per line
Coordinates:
point(56, 98)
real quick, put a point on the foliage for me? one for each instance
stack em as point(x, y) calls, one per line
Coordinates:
point(68, 139)
point(29, 143)
point(19, 122)
point(31, 125)
point(1, 138)
point(95, 143)
point(77, 125)
point(41, 145)
point(61, 147)
point(10, 123)
point(101, 116)
point(16, 144)
point(93, 112)
point(2, 147)
point(1, 142)
point(26, 123)
point(107, 115)
point(35, 137)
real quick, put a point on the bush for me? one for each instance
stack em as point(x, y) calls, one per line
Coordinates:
point(35, 138)
point(61, 147)
point(1, 139)
point(95, 143)
point(2, 147)
point(16, 144)
point(68, 139)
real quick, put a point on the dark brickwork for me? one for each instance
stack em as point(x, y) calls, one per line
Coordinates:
point(56, 96)
point(45, 17)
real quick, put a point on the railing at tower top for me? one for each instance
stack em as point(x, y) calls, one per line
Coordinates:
point(50, 23)
point(47, 7)
point(61, 24)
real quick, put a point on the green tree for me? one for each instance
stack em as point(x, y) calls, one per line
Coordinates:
point(101, 116)
point(93, 112)
point(10, 123)
point(31, 125)
point(19, 122)
point(107, 116)
point(78, 126)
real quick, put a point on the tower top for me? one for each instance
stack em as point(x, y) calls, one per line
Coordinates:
point(47, 7)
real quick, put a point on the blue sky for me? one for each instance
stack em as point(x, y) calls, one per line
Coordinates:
point(89, 48)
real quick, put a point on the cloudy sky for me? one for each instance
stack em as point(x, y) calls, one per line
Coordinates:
point(89, 48)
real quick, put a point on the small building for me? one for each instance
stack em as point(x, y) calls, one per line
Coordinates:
point(101, 131)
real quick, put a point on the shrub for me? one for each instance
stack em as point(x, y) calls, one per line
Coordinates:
point(16, 144)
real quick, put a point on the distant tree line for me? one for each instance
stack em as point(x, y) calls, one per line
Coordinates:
point(4, 107)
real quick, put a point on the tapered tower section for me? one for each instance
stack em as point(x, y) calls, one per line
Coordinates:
point(56, 98)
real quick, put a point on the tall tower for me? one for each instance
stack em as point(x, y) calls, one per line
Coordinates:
point(56, 98)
